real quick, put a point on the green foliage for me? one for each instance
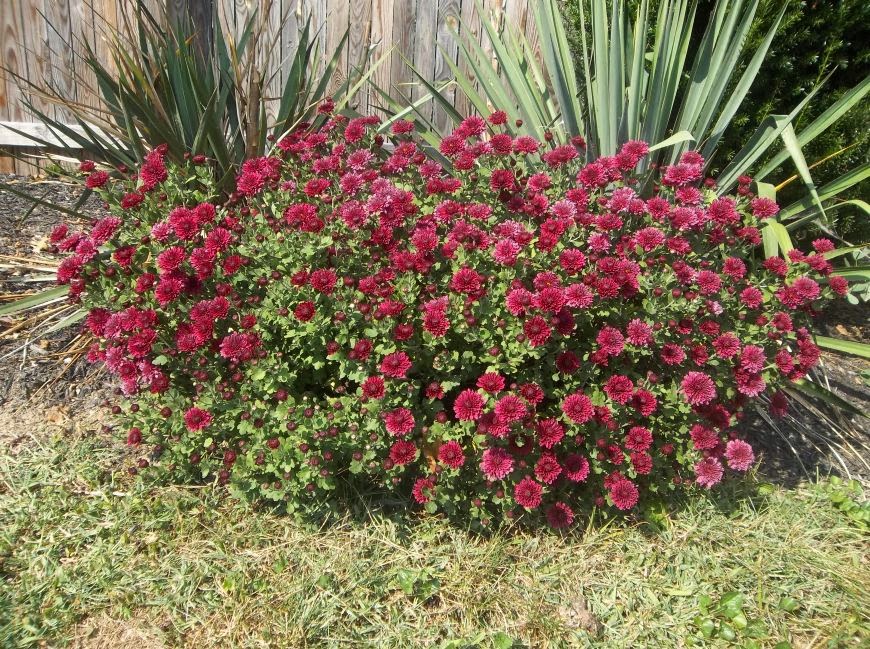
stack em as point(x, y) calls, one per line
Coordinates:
point(848, 497)
point(818, 38)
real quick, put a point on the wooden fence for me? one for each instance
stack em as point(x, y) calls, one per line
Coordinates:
point(39, 40)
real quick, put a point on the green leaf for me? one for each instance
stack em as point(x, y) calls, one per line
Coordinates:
point(40, 299)
point(676, 138)
point(817, 391)
point(861, 350)
point(788, 604)
point(794, 150)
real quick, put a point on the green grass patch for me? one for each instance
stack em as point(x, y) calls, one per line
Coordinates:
point(91, 558)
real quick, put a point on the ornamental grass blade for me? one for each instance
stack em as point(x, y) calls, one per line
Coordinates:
point(791, 144)
point(823, 122)
point(559, 63)
point(862, 350)
point(826, 192)
point(712, 138)
point(676, 138)
point(813, 389)
point(43, 298)
point(765, 135)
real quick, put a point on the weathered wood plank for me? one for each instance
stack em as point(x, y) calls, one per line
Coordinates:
point(448, 24)
point(424, 49)
point(359, 40)
point(382, 35)
point(58, 36)
point(404, 37)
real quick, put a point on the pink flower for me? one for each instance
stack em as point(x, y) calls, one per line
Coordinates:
point(611, 341)
point(560, 515)
point(373, 387)
point(575, 467)
point(547, 468)
point(491, 382)
point(537, 330)
point(496, 463)
point(550, 432)
point(703, 438)
point(424, 489)
point(708, 472)
point(450, 453)
point(197, 419)
point(527, 493)
point(638, 438)
point(468, 406)
point(624, 494)
point(619, 388)
point(578, 408)
point(396, 365)
point(739, 455)
point(698, 388)
point(399, 421)
point(403, 452)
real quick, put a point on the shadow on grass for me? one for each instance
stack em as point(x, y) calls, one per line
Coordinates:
point(94, 465)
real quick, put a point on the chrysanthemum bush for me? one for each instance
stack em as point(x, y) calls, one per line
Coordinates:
point(521, 335)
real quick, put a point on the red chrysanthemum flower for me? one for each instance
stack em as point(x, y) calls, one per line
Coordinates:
point(509, 409)
point(396, 365)
point(578, 408)
point(423, 490)
point(708, 472)
point(619, 388)
point(547, 468)
point(399, 421)
point(739, 455)
point(624, 494)
point(703, 438)
point(196, 419)
point(491, 382)
point(323, 280)
point(496, 463)
point(373, 387)
point(527, 493)
point(560, 516)
point(403, 452)
point(304, 311)
point(450, 453)
point(638, 438)
point(698, 388)
point(466, 280)
point(611, 341)
point(537, 330)
point(468, 405)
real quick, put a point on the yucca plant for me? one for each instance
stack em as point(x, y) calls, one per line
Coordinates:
point(163, 89)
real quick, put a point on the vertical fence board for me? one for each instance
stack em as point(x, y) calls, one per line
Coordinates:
point(424, 50)
point(448, 24)
point(58, 36)
point(358, 44)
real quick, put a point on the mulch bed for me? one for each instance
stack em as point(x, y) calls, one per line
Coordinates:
point(70, 402)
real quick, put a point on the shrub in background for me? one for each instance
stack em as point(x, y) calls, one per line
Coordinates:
point(521, 336)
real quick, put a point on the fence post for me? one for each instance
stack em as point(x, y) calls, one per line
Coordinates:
point(195, 18)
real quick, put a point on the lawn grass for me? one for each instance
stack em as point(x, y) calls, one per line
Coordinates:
point(91, 558)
